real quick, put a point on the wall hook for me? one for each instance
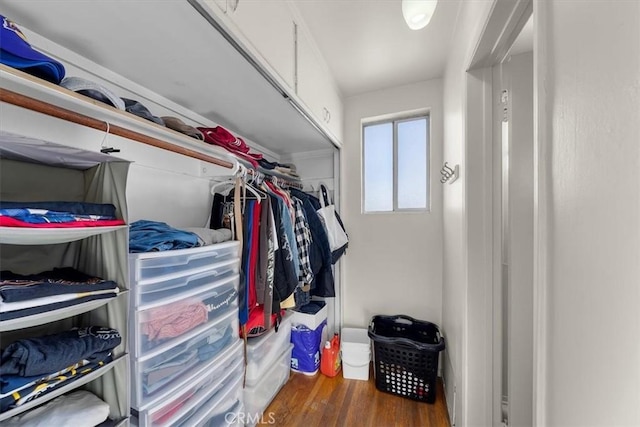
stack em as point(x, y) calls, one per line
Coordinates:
point(449, 175)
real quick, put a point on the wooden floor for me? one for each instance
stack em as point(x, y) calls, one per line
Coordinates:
point(322, 401)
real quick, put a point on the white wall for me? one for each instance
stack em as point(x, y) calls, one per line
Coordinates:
point(588, 216)
point(589, 115)
point(394, 262)
point(466, 397)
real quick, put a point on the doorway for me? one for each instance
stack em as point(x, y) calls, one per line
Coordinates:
point(513, 210)
point(500, 213)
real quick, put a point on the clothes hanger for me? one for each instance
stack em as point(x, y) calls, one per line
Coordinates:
point(217, 185)
point(214, 190)
point(246, 186)
point(253, 183)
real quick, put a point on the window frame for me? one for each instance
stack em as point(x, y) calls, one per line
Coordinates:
point(395, 121)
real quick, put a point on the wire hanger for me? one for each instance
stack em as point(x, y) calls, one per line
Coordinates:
point(103, 148)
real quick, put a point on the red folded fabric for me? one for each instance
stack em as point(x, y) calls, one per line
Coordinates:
point(223, 138)
point(173, 320)
point(256, 156)
point(7, 221)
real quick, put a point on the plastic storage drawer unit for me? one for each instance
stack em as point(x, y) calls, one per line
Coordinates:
point(177, 408)
point(152, 265)
point(264, 351)
point(222, 409)
point(257, 396)
point(173, 320)
point(153, 376)
point(151, 291)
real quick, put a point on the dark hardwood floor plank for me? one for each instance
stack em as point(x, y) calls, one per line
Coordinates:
point(320, 401)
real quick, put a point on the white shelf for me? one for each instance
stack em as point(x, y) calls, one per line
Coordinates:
point(52, 316)
point(27, 85)
point(49, 236)
point(63, 389)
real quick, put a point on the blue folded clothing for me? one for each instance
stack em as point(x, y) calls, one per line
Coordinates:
point(79, 208)
point(311, 308)
point(16, 314)
point(44, 216)
point(66, 280)
point(40, 388)
point(150, 236)
point(51, 353)
point(216, 343)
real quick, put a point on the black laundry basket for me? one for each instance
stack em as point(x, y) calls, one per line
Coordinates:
point(405, 356)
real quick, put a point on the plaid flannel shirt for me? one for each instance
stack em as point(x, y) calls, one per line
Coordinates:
point(303, 241)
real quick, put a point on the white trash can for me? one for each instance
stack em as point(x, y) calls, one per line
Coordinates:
point(356, 353)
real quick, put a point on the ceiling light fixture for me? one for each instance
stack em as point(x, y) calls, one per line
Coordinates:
point(418, 13)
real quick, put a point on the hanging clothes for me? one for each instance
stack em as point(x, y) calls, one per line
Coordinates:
point(285, 277)
point(285, 258)
point(266, 257)
point(320, 253)
point(254, 243)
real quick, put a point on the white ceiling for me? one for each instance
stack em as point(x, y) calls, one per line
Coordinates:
point(368, 46)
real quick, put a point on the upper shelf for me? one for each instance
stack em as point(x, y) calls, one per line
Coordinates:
point(50, 236)
point(26, 91)
point(192, 65)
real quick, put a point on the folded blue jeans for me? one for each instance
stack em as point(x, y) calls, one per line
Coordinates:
point(150, 236)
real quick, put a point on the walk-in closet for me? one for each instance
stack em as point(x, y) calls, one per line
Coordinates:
point(305, 213)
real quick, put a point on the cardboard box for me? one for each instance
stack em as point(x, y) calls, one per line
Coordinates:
point(311, 321)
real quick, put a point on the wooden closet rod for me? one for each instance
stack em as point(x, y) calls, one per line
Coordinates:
point(71, 116)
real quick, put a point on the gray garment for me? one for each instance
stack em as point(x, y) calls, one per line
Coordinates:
point(207, 236)
point(266, 268)
point(287, 227)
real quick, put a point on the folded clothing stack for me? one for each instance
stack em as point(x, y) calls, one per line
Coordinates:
point(153, 236)
point(178, 361)
point(79, 409)
point(26, 295)
point(32, 367)
point(223, 138)
point(58, 214)
point(170, 321)
point(288, 169)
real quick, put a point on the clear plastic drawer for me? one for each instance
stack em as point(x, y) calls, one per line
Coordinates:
point(169, 322)
point(264, 351)
point(165, 287)
point(153, 377)
point(182, 262)
point(258, 396)
point(223, 409)
point(179, 407)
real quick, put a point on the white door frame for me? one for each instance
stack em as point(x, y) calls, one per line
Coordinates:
point(503, 25)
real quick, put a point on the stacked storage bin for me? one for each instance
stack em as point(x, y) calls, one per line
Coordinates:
point(187, 358)
point(268, 368)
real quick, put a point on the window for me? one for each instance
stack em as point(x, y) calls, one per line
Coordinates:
point(395, 165)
